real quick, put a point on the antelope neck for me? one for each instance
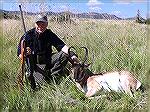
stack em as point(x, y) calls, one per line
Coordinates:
point(87, 74)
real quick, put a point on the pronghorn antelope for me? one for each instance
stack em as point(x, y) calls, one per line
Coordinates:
point(90, 83)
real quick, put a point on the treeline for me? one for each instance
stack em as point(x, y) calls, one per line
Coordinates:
point(65, 17)
point(143, 21)
point(6, 15)
point(147, 21)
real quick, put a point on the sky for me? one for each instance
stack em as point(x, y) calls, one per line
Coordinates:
point(120, 8)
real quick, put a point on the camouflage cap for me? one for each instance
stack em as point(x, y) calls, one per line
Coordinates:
point(42, 18)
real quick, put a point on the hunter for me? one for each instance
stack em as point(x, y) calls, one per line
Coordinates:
point(38, 51)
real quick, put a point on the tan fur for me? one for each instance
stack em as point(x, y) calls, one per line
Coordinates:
point(128, 82)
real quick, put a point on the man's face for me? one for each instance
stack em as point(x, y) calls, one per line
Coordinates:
point(41, 26)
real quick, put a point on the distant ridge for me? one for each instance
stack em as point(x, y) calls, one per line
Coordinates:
point(92, 15)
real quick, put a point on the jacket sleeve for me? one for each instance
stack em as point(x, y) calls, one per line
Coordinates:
point(57, 42)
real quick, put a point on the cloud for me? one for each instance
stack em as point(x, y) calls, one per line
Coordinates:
point(117, 13)
point(64, 7)
point(129, 1)
point(95, 8)
point(94, 3)
point(60, 8)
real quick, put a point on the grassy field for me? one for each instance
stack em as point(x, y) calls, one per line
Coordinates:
point(113, 45)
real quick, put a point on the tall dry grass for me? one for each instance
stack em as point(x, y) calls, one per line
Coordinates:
point(113, 45)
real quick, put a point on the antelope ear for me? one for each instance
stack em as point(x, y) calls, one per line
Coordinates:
point(75, 63)
point(87, 65)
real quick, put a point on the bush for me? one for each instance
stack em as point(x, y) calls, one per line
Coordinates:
point(147, 21)
point(5, 15)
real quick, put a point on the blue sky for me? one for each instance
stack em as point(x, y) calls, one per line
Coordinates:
point(121, 8)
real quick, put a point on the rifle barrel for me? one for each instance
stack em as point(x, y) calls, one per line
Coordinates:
point(22, 18)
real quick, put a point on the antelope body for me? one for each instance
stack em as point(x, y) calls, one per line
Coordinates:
point(90, 84)
point(122, 81)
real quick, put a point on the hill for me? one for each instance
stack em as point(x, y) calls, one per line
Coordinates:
point(92, 15)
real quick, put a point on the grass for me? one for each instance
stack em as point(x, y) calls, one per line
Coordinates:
point(113, 45)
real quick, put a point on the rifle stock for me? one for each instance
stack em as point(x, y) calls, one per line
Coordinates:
point(21, 73)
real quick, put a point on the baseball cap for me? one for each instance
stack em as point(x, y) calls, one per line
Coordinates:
point(42, 18)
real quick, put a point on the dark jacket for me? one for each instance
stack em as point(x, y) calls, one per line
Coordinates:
point(41, 44)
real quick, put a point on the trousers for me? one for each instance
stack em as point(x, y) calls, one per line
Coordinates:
point(54, 69)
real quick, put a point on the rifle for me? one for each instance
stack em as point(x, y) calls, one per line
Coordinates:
point(21, 73)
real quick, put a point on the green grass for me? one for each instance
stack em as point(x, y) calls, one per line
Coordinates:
point(113, 45)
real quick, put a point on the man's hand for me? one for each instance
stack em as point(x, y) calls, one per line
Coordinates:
point(28, 51)
point(65, 49)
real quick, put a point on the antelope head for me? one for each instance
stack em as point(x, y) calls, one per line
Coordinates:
point(78, 68)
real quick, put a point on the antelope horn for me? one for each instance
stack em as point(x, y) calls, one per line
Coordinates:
point(69, 53)
point(86, 54)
